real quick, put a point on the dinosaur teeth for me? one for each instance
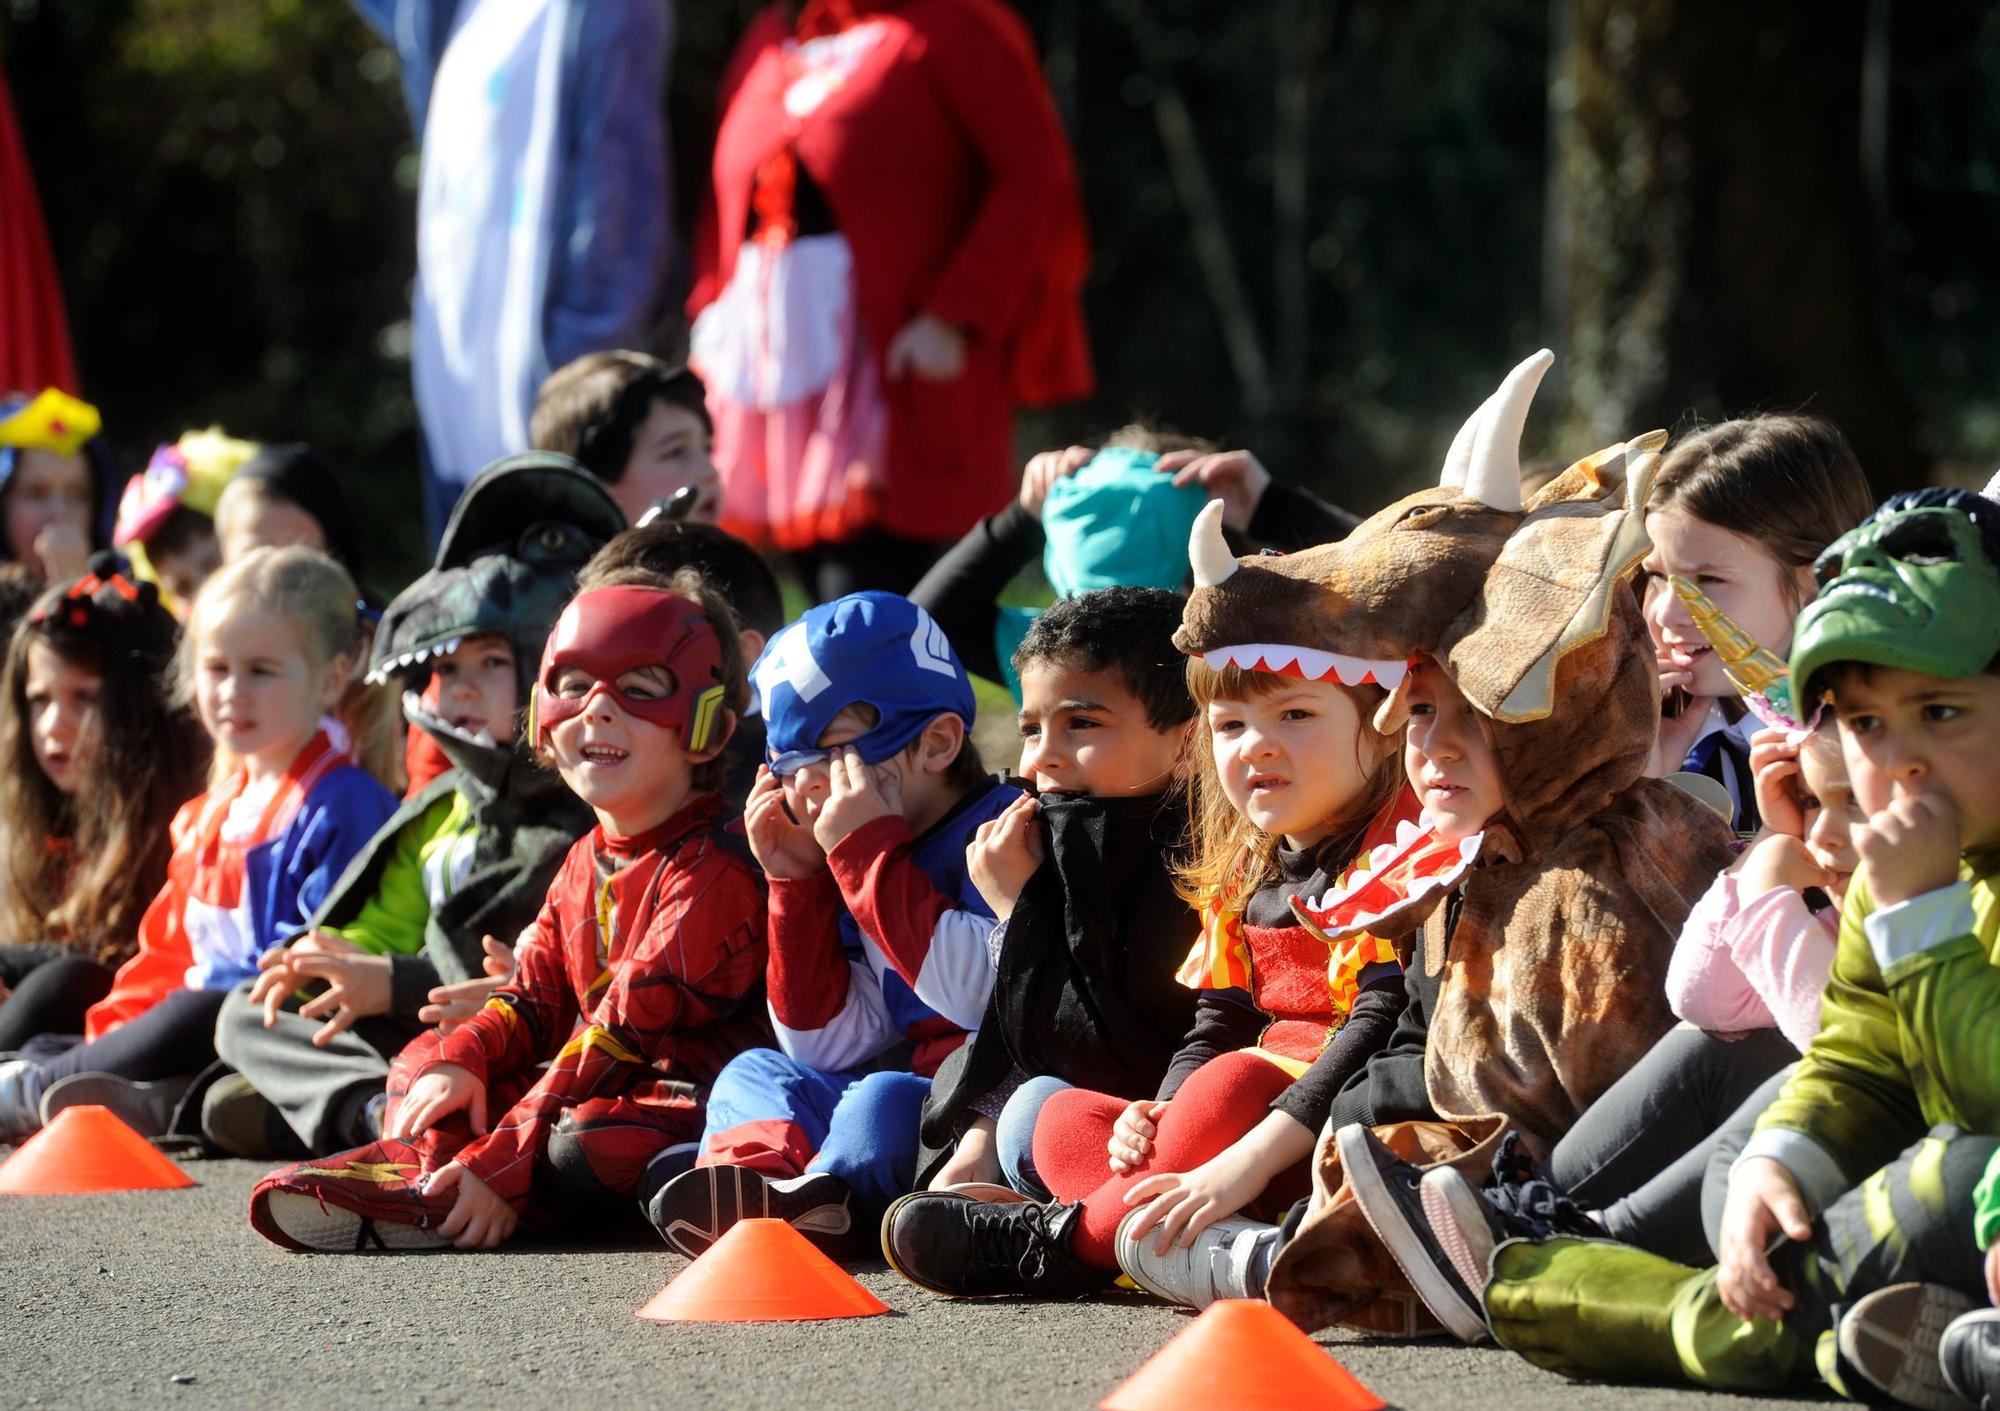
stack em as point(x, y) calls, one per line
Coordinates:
point(1308, 663)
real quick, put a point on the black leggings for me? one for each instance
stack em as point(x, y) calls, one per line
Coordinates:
point(1639, 1154)
point(53, 986)
point(173, 1039)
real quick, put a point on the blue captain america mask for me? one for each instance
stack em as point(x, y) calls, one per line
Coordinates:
point(874, 649)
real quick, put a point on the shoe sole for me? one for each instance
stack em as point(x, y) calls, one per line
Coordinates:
point(144, 1107)
point(709, 1199)
point(1444, 1194)
point(1128, 1264)
point(314, 1226)
point(1405, 1246)
point(1891, 1338)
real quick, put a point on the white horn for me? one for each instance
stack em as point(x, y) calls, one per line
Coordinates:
point(1494, 476)
point(1459, 457)
point(1992, 490)
point(1208, 551)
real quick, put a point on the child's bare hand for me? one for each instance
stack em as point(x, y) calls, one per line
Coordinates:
point(1181, 1204)
point(973, 1158)
point(1004, 853)
point(451, 1005)
point(479, 1219)
point(1910, 847)
point(1774, 769)
point(1132, 1135)
point(440, 1091)
point(1237, 478)
point(1045, 469)
point(63, 551)
point(1763, 1201)
point(857, 795)
point(276, 982)
point(1777, 860)
point(783, 846)
point(357, 987)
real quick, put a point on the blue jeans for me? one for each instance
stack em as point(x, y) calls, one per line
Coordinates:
point(771, 1112)
point(1014, 1134)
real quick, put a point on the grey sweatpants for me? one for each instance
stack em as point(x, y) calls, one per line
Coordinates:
point(320, 1091)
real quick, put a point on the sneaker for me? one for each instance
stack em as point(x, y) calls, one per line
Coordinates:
point(239, 1120)
point(1969, 1354)
point(360, 1201)
point(1892, 1338)
point(964, 1248)
point(1229, 1259)
point(991, 1192)
point(147, 1108)
point(21, 1090)
point(1518, 1202)
point(1386, 1187)
point(693, 1210)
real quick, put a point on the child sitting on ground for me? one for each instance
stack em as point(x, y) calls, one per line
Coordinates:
point(269, 650)
point(465, 864)
point(635, 985)
point(166, 515)
point(98, 758)
point(1900, 1079)
point(1081, 877)
point(862, 823)
point(1293, 786)
point(639, 425)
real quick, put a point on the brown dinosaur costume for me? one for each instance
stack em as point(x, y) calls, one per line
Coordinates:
point(1551, 980)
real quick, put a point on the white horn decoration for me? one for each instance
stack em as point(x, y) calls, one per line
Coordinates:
point(1992, 490)
point(1459, 457)
point(1208, 551)
point(1494, 476)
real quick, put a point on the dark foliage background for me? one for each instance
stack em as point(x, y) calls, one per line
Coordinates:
point(1323, 227)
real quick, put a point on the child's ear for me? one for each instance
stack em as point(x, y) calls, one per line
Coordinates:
point(335, 684)
point(939, 745)
point(752, 643)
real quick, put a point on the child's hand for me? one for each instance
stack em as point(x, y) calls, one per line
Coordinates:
point(63, 551)
point(451, 1005)
point(1774, 768)
point(783, 847)
point(1763, 1200)
point(1184, 1203)
point(1004, 853)
point(442, 1089)
point(1132, 1135)
point(357, 984)
point(973, 1158)
point(1777, 860)
point(1237, 478)
point(857, 795)
point(1045, 469)
point(276, 982)
point(479, 1219)
point(1910, 847)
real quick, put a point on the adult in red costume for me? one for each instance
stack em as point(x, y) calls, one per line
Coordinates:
point(888, 265)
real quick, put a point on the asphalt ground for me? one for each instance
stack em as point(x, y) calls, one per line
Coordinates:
point(168, 1299)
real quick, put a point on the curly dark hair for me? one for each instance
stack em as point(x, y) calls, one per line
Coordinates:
point(1126, 630)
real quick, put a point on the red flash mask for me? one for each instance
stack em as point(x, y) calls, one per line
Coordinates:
point(609, 631)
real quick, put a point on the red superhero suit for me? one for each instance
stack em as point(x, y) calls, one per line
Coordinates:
point(639, 980)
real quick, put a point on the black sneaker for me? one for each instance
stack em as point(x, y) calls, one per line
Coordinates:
point(147, 1108)
point(1387, 1189)
point(693, 1210)
point(1894, 1337)
point(1519, 1202)
point(963, 1248)
point(1969, 1354)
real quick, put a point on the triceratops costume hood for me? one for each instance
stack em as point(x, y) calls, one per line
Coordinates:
point(1550, 982)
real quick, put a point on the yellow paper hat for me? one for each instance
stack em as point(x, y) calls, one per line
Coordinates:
point(53, 421)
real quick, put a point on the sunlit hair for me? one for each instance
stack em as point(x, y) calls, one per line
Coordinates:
point(1231, 856)
point(315, 595)
point(81, 868)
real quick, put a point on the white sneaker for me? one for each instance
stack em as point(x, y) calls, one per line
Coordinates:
point(1229, 1259)
point(21, 1085)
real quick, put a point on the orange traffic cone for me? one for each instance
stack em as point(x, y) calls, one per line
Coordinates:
point(1241, 1355)
point(761, 1271)
point(88, 1149)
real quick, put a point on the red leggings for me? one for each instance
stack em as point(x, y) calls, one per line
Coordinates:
point(1220, 1101)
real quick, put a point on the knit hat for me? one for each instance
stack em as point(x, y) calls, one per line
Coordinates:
point(1118, 523)
point(875, 649)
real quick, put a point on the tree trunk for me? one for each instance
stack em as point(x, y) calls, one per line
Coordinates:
point(1713, 248)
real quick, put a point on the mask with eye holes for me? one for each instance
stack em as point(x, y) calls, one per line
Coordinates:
point(608, 633)
point(1915, 586)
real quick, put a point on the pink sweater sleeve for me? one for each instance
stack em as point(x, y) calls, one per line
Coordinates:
point(1705, 984)
point(1786, 953)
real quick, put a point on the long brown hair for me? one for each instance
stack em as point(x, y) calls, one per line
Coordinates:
point(314, 593)
point(82, 868)
point(1230, 855)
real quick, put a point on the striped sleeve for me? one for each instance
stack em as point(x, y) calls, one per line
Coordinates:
point(1220, 959)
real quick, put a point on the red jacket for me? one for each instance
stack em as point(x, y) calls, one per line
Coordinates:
point(947, 171)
